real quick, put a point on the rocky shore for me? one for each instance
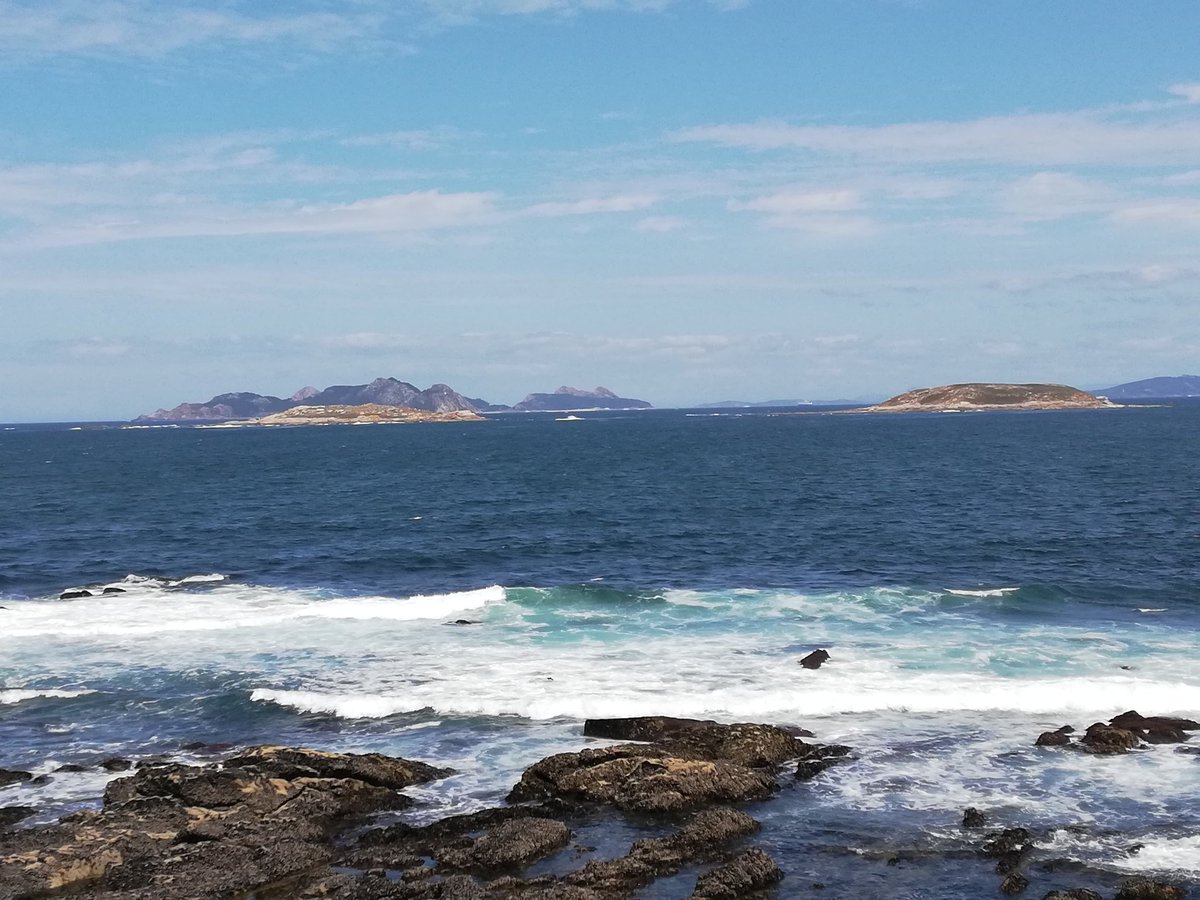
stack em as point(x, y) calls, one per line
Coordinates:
point(275, 822)
point(361, 414)
point(981, 397)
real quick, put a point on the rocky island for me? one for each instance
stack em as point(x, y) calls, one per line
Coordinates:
point(977, 397)
point(359, 414)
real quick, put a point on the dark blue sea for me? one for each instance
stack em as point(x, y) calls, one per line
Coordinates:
point(977, 578)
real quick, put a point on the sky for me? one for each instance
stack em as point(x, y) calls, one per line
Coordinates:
point(681, 200)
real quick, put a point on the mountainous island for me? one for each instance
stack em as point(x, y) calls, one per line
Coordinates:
point(980, 396)
point(1155, 388)
point(386, 392)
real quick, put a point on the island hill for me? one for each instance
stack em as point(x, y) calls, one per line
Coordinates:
point(337, 402)
point(979, 397)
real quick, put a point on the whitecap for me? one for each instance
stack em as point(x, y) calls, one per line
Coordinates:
point(982, 592)
point(17, 695)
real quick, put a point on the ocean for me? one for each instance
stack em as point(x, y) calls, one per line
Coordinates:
point(976, 578)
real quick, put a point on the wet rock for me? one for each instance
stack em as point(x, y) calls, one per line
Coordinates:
point(1057, 738)
point(699, 840)
point(815, 659)
point(514, 843)
point(1104, 739)
point(749, 873)
point(11, 815)
point(1155, 729)
point(71, 767)
point(1015, 883)
point(1074, 894)
point(74, 595)
point(641, 777)
point(197, 831)
point(757, 746)
point(13, 776)
point(115, 764)
point(373, 768)
point(973, 818)
point(464, 622)
point(1009, 848)
point(1143, 889)
point(818, 758)
point(113, 590)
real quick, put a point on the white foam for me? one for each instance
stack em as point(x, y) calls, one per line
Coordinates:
point(1163, 856)
point(982, 592)
point(1144, 609)
point(152, 609)
point(8, 697)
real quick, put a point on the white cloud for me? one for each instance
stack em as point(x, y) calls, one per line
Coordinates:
point(1054, 195)
point(1189, 91)
point(1037, 139)
point(141, 28)
point(592, 205)
point(1170, 211)
point(792, 202)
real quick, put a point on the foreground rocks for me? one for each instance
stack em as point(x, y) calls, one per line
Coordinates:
point(283, 822)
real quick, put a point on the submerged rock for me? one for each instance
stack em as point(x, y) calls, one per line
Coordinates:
point(1074, 894)
point(74, 595)
point(11, 815)
point(750, 872)
point(13, 776)
point(1015, 883)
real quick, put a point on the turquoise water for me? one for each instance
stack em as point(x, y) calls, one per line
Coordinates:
point(977, 579)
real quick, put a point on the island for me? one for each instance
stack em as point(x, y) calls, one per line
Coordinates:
point(358, 414)
point(976, 397)
point(1168, 387)
point(570, 399)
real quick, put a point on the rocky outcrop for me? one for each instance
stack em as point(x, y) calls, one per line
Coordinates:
point(1142, 889)
point(815, 660)
point(1122, 733)
point(202, 831)
point(747, 875)
point(13, 776)
point(980, 396)
point(566, 399)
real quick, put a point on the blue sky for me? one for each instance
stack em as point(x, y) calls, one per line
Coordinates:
point(683, 200)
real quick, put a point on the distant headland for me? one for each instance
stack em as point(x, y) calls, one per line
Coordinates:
point(245, 406)
point(978, 397)
point(1163, 388)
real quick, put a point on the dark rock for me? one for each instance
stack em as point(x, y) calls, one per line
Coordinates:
point(1104, 739)
point(511, 844)
point(1191, 751)
point(1052, 739)
point(748, 873)
point(1155, 729)
point(818, 759)
point(197, 831)
point(757, 746)
point(973, 818)
point(113, 590)
point(40, 780)
point(13, 776)
point(815, 659)
point(1143, 889)
point(71, 767)
point(373, 768)
point(464, 622)
point(115, 764)
point(641, 777)
point(10, 815)
point(74, 595)
point(1015, 883)
point(1074, 894)
point(1008, 847)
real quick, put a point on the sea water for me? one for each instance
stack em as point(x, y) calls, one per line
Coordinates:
point(977, 579)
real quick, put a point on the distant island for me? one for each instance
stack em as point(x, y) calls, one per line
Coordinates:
point(1163, 388)
point(358, 414)
point(439, 398)
point(981, 396)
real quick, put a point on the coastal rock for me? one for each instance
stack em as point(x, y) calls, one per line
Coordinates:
point(748, 874)
point(198, 831)
point(1014, 883)
point(973, 818)
point(13, 776)
point(372, 768)
point(514, 843)
point(815, 659)
point(644, 778)
point(1155, 729)
point(818, 758)
point(748, 744)
point(1143, 889)
point(1059, 738)
point(74, 595)
point(115, 764)
point(1104, 739)
point(1008, 847)
point(1074, 894)
point(113, 590)
point(10, 815)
